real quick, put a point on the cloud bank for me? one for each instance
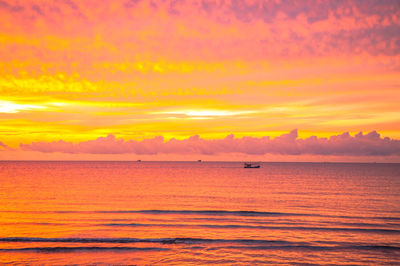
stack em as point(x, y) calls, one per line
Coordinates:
point(370, 144)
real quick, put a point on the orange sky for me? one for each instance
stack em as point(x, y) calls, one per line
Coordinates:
point(80, 70)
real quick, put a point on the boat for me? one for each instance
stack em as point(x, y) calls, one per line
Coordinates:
point(252, 165)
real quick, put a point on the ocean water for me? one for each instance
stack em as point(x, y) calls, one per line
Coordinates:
point(193, 213)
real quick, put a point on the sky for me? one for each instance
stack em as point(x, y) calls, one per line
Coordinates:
point(221, 80)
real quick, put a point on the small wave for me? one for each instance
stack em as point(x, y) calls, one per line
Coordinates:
point(71, 240)
point(33, 223)
point(262, 227)
point(179, 240)
point(190, 243)
point(213, 213)
point(210, 212)
point(389, 218)
point(311, 248)
point(386, 225)
point(376, 248)
point(73, 249)
point(179, 212)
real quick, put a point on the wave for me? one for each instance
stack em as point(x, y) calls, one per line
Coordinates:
point(209, 212)
point(258, 247)
point(183, 212)
point(179, 240)
point(72, 249)
point(191, 243)
point(245, 213)
point(262, 227)
point(315, 248)
point(259, 224)
point(185, 240)
point(376, 248)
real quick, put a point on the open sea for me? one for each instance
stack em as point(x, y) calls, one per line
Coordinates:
point(194, 213)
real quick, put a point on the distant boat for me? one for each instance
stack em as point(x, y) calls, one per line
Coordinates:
point(199, 161)
point(251, 165)
point(139, 161)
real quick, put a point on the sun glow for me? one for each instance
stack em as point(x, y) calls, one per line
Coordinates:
point(10, 107)
point(205, 113)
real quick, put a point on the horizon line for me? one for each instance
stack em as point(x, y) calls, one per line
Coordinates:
point(202, 161)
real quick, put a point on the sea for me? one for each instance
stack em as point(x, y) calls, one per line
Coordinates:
point(198, 213)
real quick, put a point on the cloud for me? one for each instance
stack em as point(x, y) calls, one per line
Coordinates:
point(221, 29)
point(11, 7)
point(370, 144)
point(3, 146)
point(71, 4)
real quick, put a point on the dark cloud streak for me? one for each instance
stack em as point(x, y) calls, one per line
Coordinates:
point(11, 8)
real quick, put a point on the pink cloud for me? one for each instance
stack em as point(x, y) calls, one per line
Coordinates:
point(3, 146)
point(289, 28)
point(370, 144)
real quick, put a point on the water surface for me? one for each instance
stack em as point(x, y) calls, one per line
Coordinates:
point(199, 213)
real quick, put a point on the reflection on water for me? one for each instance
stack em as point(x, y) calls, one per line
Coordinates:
point(191, 213)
